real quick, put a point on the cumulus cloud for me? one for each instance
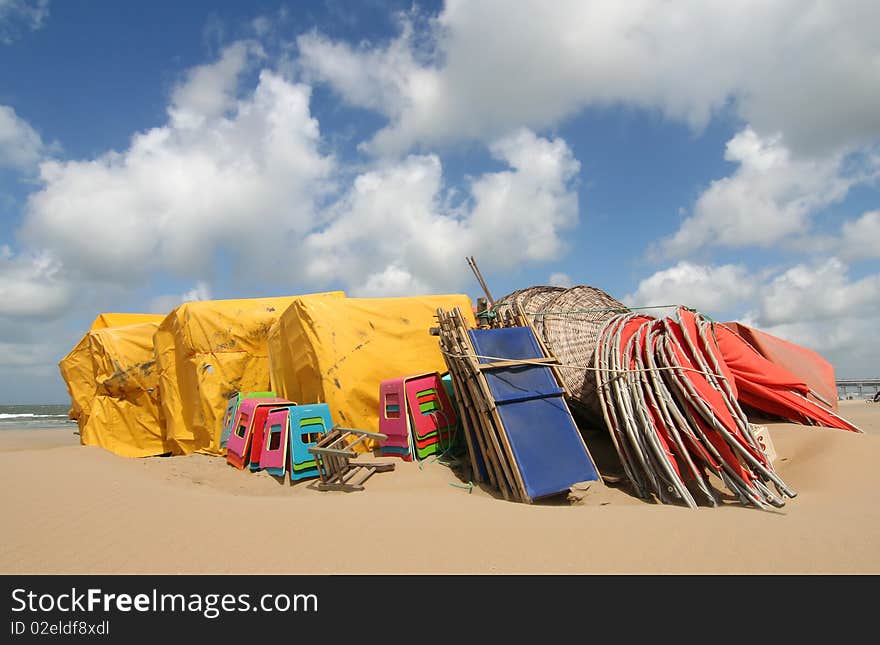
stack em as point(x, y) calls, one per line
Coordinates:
point(808, 72)
point(166, 303)
point(704, 287)
point(20, 145)
point(17, 15)
point(27, 354)
point(819, 306)
point(388, 80)
point(32, 286)
point(242, 175)
point(860, 239)
point(209, 91)
point(769, 197)
point(399, 230)
point(560, 280)
point(817, 292)
point(815, 305)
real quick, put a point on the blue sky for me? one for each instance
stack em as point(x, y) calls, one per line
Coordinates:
point(718, 155)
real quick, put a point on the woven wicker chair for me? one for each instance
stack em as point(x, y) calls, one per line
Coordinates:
point(569, 321)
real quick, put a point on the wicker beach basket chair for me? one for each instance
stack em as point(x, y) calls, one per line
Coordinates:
point(532, 300)
point(569, 321)
point(571, 325)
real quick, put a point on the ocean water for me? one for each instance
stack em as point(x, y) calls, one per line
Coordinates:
point(22, 417)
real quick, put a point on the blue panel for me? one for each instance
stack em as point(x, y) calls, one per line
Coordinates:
point(545, 441)
point(546, 445)
point(518, 383)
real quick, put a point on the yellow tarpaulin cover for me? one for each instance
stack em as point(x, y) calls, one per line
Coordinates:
point(103, 321)
point(206, 351)
point(279, 351)
point(78, 371)
point(125, 416)
point(342, 349)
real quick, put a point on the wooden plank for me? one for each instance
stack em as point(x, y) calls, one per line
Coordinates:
point(332, 451)
point(365, 433)
point(508, 464)
point(468, 423)
point(496, 458)
point(491, 456)
point(464, 402)
point(557, 371)
point(363, 475)
point(342, 487)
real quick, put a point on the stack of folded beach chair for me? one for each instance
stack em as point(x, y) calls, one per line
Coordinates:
point(273, 434)
point(417, 415)
point(520, 434)
point(671, 389)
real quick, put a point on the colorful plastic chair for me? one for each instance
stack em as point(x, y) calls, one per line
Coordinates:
point(251, 414)
point(308, 423)
point(273, 457)
point(260, 415)
point(230, 418)
point(393, 417)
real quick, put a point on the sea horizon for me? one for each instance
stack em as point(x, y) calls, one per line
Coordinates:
point(23, 416)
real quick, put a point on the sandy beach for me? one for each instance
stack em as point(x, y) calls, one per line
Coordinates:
point(80, 509)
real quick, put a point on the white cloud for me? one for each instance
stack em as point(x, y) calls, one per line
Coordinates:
point(18, 14)
point(819, 306)
point(769, 197)
point(707, 288)
point(560, 280)
point(209, 91)
point(389, 80)
point(817, 292)
point(391, 282)
point(166, 303)
point(26, 354)
point(244, 179)
point(398, 229)
point(247, 177)
point(32, 286)
point(807, 72)
point(861, 238)
point(20, 145)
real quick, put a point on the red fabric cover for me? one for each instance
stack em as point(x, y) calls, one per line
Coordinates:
point(766, 386)
point(807, 365)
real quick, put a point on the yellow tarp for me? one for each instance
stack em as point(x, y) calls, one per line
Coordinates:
point(78, 371)
point(280, 355)
point(103, 321)
point(206, 351)
point(125, 416)
point(342, 349)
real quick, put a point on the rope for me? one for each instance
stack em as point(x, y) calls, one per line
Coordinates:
point(588, 311)
point(451, 433)
point(469, 486)
point(618, 372)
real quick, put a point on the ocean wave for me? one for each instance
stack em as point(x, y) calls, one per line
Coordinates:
point(31, 415)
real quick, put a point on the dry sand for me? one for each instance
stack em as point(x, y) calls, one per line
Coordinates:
point(78, 509)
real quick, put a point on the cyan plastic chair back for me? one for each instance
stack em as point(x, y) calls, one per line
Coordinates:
point(308, 423)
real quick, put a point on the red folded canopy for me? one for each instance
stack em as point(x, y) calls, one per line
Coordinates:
point(808, 366)
point(769, 387)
